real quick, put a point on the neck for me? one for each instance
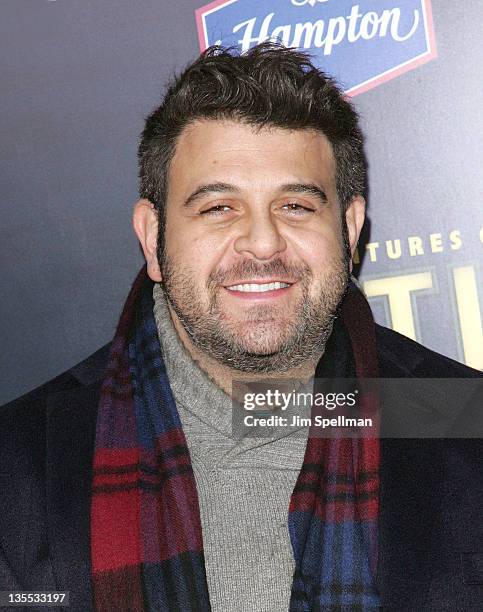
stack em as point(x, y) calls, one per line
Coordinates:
point(223, 376)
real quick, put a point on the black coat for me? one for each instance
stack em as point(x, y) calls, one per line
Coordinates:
point(431, 498)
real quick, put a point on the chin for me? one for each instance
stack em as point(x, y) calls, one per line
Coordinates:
point(260, 344)
point(261, 334)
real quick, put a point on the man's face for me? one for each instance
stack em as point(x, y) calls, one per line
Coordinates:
point(254, 263)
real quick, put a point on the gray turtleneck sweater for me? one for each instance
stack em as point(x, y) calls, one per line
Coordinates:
point(244, 486)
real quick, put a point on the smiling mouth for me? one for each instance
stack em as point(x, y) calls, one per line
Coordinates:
point(258, 287)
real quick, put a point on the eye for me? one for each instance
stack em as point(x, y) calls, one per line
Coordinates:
point(219, 209)
point(296, 208)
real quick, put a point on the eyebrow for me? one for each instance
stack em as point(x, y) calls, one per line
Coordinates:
point(307, 188)
point(210, 188)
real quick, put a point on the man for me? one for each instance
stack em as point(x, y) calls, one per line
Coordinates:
point(122, 481)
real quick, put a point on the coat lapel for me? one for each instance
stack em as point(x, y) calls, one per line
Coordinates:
point(409, 500)
point(71, 422)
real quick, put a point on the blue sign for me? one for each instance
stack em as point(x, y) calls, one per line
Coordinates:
point(361, 44)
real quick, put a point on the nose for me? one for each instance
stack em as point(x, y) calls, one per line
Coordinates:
point(260, 238)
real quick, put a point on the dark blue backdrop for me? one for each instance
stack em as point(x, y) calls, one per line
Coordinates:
point(77, 80)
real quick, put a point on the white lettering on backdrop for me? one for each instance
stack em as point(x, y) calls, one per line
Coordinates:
point(327, 34)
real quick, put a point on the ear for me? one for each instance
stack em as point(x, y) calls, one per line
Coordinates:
point(145, 223)
point(354, 216)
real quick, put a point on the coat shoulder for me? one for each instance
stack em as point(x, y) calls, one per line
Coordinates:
point(29, 409)
point(400, 356)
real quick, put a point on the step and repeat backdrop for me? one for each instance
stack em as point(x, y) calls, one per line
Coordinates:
point(78, 77)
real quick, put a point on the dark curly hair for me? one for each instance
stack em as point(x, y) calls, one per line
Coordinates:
point(269, 85)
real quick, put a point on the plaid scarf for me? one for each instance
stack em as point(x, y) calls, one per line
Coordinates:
point(146, 540)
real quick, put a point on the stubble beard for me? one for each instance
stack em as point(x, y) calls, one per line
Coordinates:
point(266, 340)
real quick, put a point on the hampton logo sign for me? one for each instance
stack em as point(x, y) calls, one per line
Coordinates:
point(362, 44)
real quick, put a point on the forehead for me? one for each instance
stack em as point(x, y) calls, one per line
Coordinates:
point(250, 155)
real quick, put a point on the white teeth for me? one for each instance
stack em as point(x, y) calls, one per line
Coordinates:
point(252, 287)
